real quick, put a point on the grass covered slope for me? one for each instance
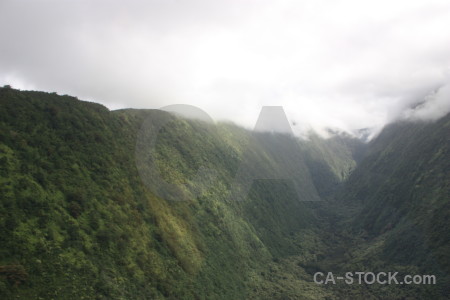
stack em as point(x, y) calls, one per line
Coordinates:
point(77, 221)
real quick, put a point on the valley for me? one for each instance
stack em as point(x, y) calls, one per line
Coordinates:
point(90, 210)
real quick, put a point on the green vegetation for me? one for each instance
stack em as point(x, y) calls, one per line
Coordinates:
point(79, 221)
point(401, 195)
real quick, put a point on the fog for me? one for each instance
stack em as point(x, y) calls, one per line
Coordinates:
point(330, 64)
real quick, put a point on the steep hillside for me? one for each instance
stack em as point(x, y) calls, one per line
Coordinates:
point(332, 160)
point(79, 219)
point(399, 197)
point(142, 204)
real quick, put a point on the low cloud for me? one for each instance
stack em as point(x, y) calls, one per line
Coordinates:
point(434, 106)
point(342, 64)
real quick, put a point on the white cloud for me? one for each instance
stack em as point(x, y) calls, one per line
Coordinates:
point(433, 107)
point(347, 64)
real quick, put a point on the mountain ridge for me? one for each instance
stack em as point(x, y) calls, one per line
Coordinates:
point(78, 220)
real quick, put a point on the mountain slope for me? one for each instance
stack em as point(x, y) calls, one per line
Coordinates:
point(79, 221)
point(99, 204)
point(400, 194)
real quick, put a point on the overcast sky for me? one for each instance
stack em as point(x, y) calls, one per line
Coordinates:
point(345, 64)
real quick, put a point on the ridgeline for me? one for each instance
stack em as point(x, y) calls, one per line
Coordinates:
point(80, 219)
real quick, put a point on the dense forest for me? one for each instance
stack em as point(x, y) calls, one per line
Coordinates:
point(91, 209)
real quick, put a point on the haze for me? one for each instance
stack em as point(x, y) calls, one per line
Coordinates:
point(331, 64)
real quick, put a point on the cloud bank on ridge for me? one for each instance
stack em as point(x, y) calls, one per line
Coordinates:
point(343, 64)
